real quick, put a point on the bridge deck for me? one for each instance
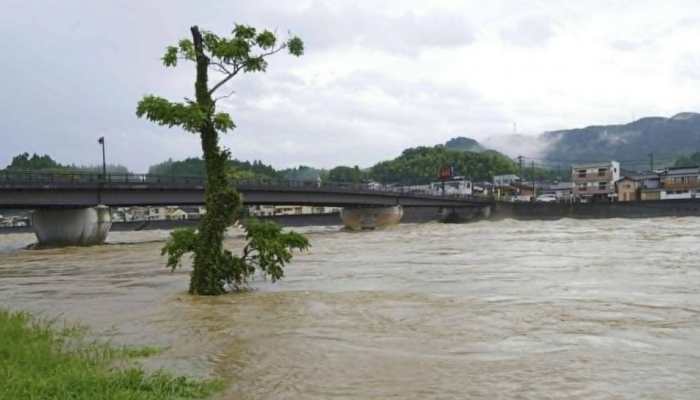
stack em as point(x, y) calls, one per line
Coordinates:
point(38, 190)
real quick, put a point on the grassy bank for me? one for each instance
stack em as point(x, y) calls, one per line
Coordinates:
point(38, 362)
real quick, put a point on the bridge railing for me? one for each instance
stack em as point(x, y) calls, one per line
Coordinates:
point(67, 179)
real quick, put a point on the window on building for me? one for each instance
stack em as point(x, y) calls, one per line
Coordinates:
point(602, 185)
point(582, 173)
point(602, 171)
point(582, 187)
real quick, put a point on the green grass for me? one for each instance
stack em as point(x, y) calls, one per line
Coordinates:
point(39, 362)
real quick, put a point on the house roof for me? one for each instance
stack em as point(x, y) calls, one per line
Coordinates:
point(506, 176)
point(559, 186)
point(683, 171)
point(593, 165)
point(645, 176)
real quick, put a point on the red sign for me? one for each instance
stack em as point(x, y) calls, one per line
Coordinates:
point(446, 172)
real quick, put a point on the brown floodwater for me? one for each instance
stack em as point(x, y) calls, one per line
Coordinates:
point(569, 309)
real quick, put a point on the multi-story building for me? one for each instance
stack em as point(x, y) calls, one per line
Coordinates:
point(595, 181)
point(680, 183)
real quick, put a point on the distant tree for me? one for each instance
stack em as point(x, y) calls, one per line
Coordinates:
point(692, 160)
point(35, 163)
point(301, 173)
point(346, 174)
point(45, 163)
point(268, 248)
point(234, 168)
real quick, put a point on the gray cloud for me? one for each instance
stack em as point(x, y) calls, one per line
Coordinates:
point(377, 77)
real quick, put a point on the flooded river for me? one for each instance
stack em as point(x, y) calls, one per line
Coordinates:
point(569, 309)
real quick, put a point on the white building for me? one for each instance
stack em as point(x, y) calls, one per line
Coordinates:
point(457, 185)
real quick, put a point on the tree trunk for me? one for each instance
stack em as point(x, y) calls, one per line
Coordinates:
point(221, 201)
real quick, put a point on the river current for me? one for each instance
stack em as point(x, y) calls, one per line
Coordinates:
point(568, 309)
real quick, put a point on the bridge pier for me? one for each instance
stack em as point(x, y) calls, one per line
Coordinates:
point(361, 218)
point(72, 227)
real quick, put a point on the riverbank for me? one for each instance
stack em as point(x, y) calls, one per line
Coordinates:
point(635, 209)
point(41, 362)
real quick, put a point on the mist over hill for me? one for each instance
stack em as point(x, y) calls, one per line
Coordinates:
point(629, 143)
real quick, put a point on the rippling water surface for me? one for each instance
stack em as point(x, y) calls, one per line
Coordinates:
point(575, 309)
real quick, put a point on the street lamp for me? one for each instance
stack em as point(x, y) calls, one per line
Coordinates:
point(101, 141)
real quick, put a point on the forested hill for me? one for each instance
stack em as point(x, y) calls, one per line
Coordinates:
point(666, 137)
point(420, 165)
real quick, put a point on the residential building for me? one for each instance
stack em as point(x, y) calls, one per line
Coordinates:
point(176, 213)
point(523, 191)
point(627, 189)
point(646, 194)
point(680, 183)
point(268, 211)
point(561, 190)
point(193, 212)
point(649, 186)
point(137, 214)
point(595, 181)
point(456, 185)
point(505, 180)
point(157, 213)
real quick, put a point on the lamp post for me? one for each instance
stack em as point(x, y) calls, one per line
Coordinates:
point(101, 141)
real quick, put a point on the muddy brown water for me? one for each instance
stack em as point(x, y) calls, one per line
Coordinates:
point(569, 309)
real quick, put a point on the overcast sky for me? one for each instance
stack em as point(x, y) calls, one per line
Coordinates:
point(377, 76)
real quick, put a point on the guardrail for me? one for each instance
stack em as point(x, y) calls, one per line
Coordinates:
point(67, 179)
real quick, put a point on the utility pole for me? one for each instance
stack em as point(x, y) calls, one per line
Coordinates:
point(101, 141)
point(534, 191)
point(651, 161)
point(520, 166)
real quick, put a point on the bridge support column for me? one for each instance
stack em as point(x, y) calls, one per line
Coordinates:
point(360, 218)
point(72, 227)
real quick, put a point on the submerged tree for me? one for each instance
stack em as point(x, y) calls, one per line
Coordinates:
point(268, 249)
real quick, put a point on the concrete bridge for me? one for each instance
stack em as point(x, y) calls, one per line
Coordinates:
point(79, 202)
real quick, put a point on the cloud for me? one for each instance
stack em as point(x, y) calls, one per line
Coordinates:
point(688, 66)
point(406, 33)
point(376, 77)
point(529, 32)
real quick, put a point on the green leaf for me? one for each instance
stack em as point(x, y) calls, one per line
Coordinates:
point(266, 40)
point(295, 46)
point(187, 49)
point(244, 31)
point(170, 56)
point(223, 122)
point(189, 116)
point(181, 242)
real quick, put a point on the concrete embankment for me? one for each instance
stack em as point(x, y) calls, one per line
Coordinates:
point(638, 209)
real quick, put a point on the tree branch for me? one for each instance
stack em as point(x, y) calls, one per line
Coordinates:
point(221, 67)
point(224, 96)
point(223, 81)
point(238, 67)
